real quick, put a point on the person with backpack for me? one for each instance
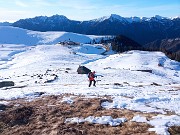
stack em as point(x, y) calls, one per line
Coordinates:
point(91, 77)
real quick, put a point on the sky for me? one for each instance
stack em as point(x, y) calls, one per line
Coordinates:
point(13, 10)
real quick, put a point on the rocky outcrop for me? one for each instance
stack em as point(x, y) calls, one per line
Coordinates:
point(83, 70)
point(6, 84)
point(2, 107)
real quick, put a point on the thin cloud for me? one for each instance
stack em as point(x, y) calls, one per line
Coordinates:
point(20, 3)
point(78, 4)
point(148, 11)
point(14, 15)
point(164, 10)
point(44, 3)
point(162, 7)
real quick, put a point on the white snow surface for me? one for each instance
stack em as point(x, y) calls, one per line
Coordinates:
point(13, 35)
point(106, 120)
point(160, 123)
point(68, 100)
point(36, 64)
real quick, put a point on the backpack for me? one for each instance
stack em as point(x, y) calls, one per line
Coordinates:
point(90, 75)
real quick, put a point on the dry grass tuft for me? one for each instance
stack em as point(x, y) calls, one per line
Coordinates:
point(18, 116)
point(174, 130)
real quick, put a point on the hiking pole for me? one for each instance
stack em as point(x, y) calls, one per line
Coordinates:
point(98, 81)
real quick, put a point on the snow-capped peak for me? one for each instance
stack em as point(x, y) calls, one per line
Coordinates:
point(118, 17)
point(101, 19)
point(115, 17)
point(133, 19)
point(45, 18)
point(158, 18)
point(112, 17)
point(176, 17)
point(59, 17)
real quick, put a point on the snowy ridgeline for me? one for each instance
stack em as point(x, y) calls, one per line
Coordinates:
point(133, 79)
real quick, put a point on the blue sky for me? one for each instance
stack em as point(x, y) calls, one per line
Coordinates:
point(13, 10)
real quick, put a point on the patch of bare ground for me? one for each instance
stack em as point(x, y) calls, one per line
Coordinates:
point(174, 130)
point(46, 116)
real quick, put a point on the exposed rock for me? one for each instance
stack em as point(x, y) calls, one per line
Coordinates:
point(118, 84)
point(2, 107)
point(156, 84)
point(6, 83)
point(53, 76)
point(149, 71)
point(83, 70)
point(38, 94)
point(68, 68)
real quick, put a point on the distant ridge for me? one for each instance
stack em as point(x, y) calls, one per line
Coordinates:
point(142, 30)
point(171, 47)
point(5, 24)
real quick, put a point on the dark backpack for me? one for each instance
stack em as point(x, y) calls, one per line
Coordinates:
point(91, 75)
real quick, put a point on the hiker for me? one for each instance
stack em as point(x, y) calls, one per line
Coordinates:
point(91, 77)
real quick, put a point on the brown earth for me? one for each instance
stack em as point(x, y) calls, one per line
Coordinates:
point(46, 116)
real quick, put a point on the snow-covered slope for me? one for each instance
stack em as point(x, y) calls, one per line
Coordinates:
point(124, 69)
point(133, 79)
point(12, 35)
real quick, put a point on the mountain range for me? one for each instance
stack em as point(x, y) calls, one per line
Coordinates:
point(142, 30)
